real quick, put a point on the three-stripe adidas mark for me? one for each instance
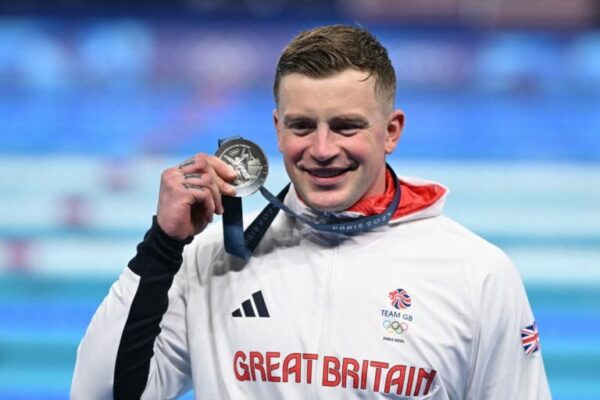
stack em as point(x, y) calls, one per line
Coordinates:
point(259, 304)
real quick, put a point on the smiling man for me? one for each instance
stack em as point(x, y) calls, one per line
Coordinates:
point(360, 289)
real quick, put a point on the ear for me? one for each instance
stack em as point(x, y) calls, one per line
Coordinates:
point(277, 129)
point(394, 130)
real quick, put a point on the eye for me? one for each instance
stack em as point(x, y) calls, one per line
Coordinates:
point(346, 129)
point(302, 127)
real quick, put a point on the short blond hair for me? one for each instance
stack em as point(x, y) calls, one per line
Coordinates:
point(326, 50)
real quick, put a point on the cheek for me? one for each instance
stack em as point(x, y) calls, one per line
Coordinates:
point(292, 148)
point(372, 148)
point(362, 151)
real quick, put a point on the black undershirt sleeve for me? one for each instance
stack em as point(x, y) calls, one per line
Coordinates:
point(158, 259)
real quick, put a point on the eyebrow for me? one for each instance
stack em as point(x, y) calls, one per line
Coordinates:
point(352, 118)
point(344, 118)
point(290, 119)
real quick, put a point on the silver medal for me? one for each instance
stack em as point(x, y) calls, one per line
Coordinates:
point(249, 162)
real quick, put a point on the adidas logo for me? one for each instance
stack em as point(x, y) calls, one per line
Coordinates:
point(249, 310)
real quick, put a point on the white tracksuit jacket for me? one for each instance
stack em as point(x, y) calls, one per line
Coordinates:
point(418, 309)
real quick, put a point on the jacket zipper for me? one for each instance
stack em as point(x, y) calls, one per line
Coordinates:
point(324, 320)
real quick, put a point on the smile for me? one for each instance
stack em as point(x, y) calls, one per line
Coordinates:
point(327, 172)
point(327, 177)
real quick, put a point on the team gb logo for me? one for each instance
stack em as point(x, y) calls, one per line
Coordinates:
point(400, 299)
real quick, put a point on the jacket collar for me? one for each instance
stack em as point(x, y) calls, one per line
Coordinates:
point(419, 199)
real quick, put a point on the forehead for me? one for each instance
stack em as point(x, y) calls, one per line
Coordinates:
point(347, 89)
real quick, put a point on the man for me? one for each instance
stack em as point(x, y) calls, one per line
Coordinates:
point(416, 308)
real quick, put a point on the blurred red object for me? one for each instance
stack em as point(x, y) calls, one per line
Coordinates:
point(18, 254)
point(74, 211)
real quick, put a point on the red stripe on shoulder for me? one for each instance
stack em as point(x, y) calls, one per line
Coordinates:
point(417, 197)
point(413, 198)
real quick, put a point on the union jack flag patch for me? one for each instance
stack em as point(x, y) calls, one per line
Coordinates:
point(530, 339)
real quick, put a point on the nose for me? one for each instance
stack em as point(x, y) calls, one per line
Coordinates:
point(324, 147)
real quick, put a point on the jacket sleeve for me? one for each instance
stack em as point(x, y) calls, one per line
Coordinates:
point(501, 368)
point(136, 344)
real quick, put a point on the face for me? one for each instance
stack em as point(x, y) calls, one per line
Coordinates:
point(334, 134)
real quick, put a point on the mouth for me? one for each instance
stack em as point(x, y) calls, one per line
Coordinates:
point(327, 172)
point(327, 176)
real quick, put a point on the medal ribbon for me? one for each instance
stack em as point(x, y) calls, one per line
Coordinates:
point(242, 243)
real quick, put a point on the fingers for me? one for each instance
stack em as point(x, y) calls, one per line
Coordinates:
point(206, 205)
point(203, 202)
point(205, 182)
point(222, 172)
point(190, 195)
point(198, 161)
point(189, 161)
point(203, 172)
point(223, 169)
point(193, 181)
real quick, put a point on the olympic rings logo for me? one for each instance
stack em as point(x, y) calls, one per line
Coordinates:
point(395, 326)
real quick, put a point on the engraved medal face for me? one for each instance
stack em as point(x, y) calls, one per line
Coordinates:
point(248, 161)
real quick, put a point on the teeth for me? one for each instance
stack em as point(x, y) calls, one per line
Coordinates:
point(328, 173)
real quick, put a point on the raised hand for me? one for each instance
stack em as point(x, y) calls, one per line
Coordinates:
point(190, 194)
